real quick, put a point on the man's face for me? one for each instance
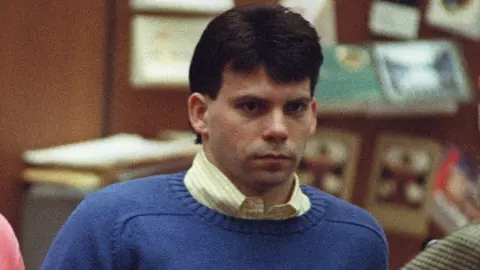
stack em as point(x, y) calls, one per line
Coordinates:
point(256, 130)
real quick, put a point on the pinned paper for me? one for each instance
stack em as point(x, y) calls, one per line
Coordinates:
point(394, 20)
point(320, 13)
point(204, 6)
point(459, 16)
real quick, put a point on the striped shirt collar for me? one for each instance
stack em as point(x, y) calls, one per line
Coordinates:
point(212, 188)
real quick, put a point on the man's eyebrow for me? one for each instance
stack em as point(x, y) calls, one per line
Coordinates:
point(243, 98)
point(300, 100)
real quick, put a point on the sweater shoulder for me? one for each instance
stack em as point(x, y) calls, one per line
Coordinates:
point(346, 214)
point(139, 195)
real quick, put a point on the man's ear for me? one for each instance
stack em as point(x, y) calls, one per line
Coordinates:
point(197, 113)
point(313, 126)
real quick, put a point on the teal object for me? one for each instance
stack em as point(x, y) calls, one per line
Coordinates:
point(348, 79)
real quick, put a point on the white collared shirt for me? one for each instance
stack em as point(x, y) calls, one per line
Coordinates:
point(210, 187)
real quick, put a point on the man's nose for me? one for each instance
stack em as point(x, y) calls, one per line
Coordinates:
point(276, 127)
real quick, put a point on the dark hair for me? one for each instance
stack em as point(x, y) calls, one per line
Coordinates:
point(246, 38)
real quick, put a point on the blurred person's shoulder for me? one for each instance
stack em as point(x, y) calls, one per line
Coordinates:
point(470, 233)
point(462, 245)
point(10, 256)
point(7, 234)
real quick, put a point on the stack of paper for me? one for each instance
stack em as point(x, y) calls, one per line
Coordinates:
point(95, 163)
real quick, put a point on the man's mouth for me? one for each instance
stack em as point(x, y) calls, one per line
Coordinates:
point(276, 156)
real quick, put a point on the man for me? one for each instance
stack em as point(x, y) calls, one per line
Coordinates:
point(10, 256)
point(240, 206)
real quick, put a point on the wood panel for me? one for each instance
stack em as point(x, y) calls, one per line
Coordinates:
point(52, 81)
point(149, 111)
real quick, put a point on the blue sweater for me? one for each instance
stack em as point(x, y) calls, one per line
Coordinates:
point(154, 223)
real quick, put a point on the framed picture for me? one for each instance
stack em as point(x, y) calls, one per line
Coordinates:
point(162, 47)
point(330, 161)
point(422, 70)
point(204, 6)
point(401, 182)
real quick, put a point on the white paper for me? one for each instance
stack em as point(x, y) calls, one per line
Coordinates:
point(116, 149)
point(394, 20)
point(209, 6)
point(320, 13)
point(463, 19)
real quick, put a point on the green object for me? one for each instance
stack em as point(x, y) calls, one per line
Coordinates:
point(348, 80)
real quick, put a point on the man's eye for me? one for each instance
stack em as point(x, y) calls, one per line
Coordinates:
point(296, 107)
point(251, 106)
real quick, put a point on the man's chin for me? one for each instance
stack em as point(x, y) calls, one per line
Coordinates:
point(271, 179)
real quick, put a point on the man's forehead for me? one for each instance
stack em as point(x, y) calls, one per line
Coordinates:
point(256, 74)
point(261, 85)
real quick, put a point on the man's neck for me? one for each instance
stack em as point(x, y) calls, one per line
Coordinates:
point(270, 196)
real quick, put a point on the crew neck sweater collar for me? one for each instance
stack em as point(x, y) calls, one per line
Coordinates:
point(292, 225)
